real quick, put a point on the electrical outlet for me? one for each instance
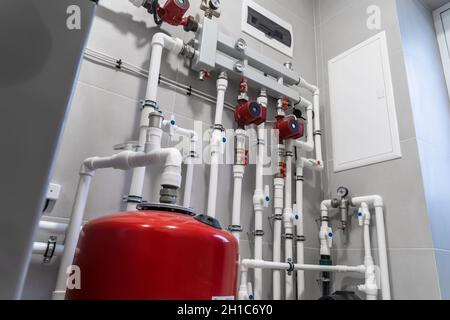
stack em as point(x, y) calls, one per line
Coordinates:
point(53, 191)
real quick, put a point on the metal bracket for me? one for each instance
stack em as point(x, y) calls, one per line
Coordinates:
point(234, 228)
point(291, 267)
point(258, 233)
point(132, 199)
point(50, 251)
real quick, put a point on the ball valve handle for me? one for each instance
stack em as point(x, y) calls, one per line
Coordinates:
point(360, 217)
point(266, 196)
point(172, 123)
point(330, 237)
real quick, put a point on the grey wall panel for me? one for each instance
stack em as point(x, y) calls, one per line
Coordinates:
point(40, 58)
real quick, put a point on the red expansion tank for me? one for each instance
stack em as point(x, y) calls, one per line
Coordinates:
point(156, 255)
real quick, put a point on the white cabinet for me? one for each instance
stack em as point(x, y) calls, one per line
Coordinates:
point(363, 117)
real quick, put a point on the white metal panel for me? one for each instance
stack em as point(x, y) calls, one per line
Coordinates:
point(442, 22)
point(363, 116)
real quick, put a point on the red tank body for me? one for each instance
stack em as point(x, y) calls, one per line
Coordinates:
point(155, 255)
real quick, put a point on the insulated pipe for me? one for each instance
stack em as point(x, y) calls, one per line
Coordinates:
point(377, 202)
point(171, 128)
point(288, 217)
point(277, 226)
point(217, 140)
point(41, 247)
point(159, 42)
point(73, 230)
point(299, 223)
point(123, 161)
point(53, 227)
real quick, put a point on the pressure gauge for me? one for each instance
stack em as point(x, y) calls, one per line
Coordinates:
point(342, 192)
point(214, 4)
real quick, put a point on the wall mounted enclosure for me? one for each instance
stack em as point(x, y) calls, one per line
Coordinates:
point(363, 115)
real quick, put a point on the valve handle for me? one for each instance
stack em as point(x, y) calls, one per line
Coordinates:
point(360, 217)
point(266, 196)
point(330, 237)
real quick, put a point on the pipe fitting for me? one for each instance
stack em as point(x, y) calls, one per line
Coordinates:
point(175, 45)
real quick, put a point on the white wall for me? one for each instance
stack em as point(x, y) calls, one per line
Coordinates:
point(105, 112)
point(431, 109)
point(341, 25)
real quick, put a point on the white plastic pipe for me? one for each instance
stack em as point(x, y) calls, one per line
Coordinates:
point(41, 247)
point(73, 230)
point(325, 234)
point(307, 145)
point(377, 202)
point(159, 42)
point(53, 227)
point(170, 127)
point(277, 226)
point(370, 287)
point(238, 173)
point(288, 220)
point(317, 163)
point(216, 144)
point(171, 158)
point(299, 223)
point(258, 205)
point(267, 265)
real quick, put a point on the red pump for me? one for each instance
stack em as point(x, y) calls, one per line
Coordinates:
point(289, 128)
point(172, 13)
point(248, 113)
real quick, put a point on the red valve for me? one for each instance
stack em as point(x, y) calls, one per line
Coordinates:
point(283, 169)
point(285, 103)
point(243, 86)
point(289, 128)
point(248, 113)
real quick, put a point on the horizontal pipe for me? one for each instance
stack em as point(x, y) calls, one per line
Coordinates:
point(41, 247)
point(53, 227)
point(266, 265)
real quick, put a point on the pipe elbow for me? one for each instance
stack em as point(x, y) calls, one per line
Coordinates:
point(325, 205)
point(378, 201)
point(167, 42)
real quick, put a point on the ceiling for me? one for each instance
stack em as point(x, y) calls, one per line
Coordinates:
point(434, 4)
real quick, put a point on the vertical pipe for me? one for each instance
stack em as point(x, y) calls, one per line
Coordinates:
point(216, 141)
point(138, 176)
point(238, 171)
point(300, 237)
point(278, 205)
point(288, 226)
point(73, 231)
point(258, 203)
point(188, 182)
point(382, 252)
point(317, 126)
